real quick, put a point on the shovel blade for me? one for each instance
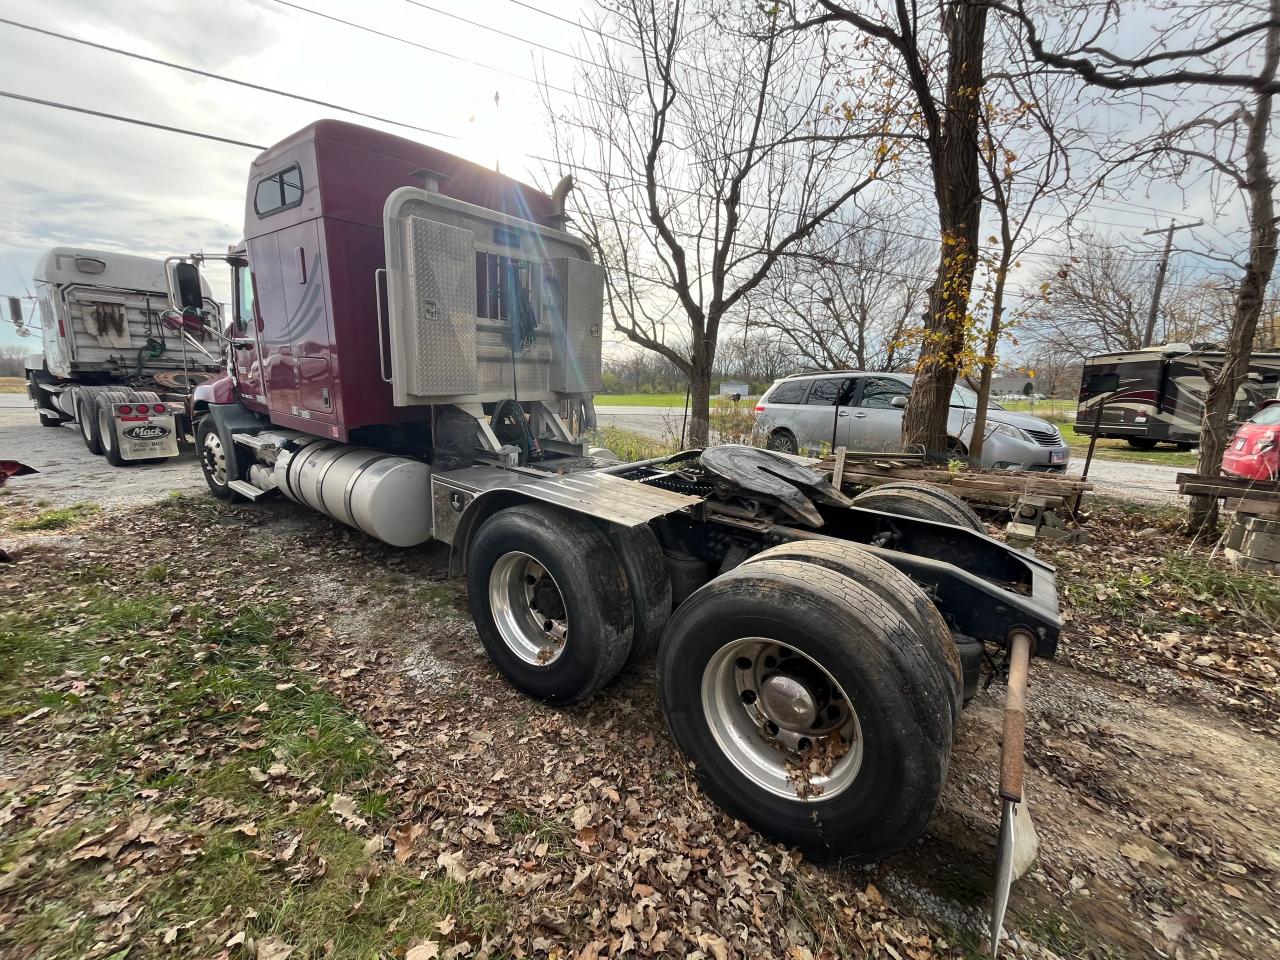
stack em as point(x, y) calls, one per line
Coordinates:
point(1015, 853)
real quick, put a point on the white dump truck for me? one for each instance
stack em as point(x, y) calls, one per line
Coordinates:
point(118, 360)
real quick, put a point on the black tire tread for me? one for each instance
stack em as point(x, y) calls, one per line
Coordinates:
point(918, 667)
point(942, 495)
point(911, 503)
point(650, 584)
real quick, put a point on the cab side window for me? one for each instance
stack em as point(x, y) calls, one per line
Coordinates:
point(280, 191)
point(244, 300)
point(878, 392)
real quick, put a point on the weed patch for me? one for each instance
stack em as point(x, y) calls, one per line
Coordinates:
point(59, 519)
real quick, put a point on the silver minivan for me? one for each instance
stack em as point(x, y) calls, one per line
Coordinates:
point(863, 411)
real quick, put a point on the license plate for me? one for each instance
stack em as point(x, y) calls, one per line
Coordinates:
point(1057, 456)
point(142, 439)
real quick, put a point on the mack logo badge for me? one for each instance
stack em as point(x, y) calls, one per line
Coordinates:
point(147, 431)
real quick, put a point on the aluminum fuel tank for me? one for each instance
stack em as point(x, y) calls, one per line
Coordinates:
point(386, 496)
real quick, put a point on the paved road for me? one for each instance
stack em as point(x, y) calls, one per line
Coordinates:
point(70, 474)
point(1147, 482)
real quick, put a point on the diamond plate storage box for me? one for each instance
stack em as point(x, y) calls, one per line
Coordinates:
point(483, 306)
point(441, 340)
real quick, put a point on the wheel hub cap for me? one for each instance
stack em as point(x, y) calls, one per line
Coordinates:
point(788, 702)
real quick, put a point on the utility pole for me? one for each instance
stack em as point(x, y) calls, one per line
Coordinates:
point(1168, 232)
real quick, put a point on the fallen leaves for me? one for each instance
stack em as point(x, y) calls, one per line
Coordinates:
point(347, 811)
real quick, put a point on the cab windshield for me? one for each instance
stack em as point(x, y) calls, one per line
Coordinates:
point(962, 396)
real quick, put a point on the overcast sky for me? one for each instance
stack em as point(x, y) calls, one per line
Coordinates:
point(66, 178)
point(71, 179)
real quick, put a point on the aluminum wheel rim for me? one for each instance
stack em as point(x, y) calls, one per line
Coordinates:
point(215, 459)
point(782, 720)
point(528, 608)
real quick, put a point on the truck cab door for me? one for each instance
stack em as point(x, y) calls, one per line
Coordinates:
point(245, 365)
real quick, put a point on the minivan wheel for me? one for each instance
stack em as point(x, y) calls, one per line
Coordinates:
point(783, 441)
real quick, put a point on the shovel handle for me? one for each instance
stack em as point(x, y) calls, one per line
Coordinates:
point(1015, 717)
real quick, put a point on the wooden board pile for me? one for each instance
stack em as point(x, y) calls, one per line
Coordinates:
point(1252, 539)
point(1039, 505)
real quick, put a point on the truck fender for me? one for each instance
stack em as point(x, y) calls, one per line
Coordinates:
point(481, 508)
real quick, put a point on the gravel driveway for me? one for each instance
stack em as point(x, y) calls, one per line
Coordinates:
point(70, 474)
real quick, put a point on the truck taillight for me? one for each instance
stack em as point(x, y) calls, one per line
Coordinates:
point(142, 408)
point(759, 408)
point(124, 409)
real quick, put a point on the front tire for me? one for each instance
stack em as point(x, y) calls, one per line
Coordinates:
point(783, 441)
point(791, 652)
point(550, 601)
point(217, 463)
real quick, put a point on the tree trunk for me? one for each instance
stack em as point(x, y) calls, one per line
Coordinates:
point(990, 345)
point(1202, 512)
point(699, 401)
point(954, 158)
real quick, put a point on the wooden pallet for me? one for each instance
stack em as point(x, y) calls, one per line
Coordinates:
point(984, 487)
point(1257, 491)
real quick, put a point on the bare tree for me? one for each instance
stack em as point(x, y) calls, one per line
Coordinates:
point(849, 294)
point(938, 51)
point(1198, 49)
point(1096, 301)
point(1025, 157)
point(703, 155)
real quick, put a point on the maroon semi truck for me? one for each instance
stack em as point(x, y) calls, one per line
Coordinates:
point(414, 351)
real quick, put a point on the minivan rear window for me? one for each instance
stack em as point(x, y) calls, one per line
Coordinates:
point(789, 391)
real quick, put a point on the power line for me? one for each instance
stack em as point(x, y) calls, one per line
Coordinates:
point(141, 123)
point(219, 77)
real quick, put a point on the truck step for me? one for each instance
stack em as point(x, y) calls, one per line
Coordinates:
point(248, 490)
point(254, 442)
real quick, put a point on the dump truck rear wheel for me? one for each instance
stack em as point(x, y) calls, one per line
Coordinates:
point(952, 504)
point(104, 402)
point(1141, 443)
point(920, 504)
point(891, 585)
point(550, 601)
point(650, 586)
point(87, 420)
point(812, 709)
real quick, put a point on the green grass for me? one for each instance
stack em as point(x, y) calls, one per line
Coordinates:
point(13, 385)
point(1177, 583)
point(59, 519)
point(640, 400)
point(629, 445)
point(146, 691)
point(1119, 450)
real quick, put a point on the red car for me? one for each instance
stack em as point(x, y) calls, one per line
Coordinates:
point(1254, 452)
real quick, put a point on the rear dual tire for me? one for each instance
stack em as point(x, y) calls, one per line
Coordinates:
point(551, 602)
point(807, 641)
